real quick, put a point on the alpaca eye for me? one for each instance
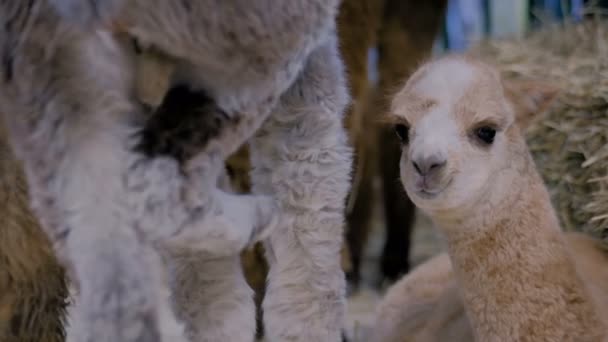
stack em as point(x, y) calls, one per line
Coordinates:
point(402, 132)
point(486, 134)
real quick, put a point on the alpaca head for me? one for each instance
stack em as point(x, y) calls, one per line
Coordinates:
point(458, 125)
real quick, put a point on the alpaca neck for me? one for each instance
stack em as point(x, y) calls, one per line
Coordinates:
point(515, 273)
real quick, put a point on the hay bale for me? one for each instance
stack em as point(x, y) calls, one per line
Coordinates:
point(570, 141)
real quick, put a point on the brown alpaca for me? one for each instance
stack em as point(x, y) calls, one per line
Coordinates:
point(33, 288)
point(466, 164)
point(404, 32)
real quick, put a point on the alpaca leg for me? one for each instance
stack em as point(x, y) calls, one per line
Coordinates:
point(358, 23)
point(116, 277)
point(210, 293)
point(360, 215)
point(118, 291)
point(78, 327)
point(67, 116)
point(399, 211)
point(212, 297)
point(301, 155)
point(406, 38)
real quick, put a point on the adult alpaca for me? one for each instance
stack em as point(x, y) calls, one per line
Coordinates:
point(68, 105)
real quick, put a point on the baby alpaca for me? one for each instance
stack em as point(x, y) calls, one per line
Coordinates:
point(427, 306)
point(466, 164)
point(424, 306)
point(68, 103)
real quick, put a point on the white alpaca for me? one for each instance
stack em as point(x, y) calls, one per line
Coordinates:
point(68, 102)
point(301, 155)
point(510, 274)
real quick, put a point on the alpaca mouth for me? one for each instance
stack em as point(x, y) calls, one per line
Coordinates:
point(430, 192)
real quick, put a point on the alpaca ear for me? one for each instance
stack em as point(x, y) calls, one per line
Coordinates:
point(529, 99)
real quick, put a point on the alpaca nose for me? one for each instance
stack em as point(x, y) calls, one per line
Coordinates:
point(426, 166)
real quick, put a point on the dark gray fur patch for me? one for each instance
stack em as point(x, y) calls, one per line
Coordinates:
point(183, 124)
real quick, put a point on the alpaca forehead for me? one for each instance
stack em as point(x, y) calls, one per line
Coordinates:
point(446, 81)
point(441, 100)
point(467, 91)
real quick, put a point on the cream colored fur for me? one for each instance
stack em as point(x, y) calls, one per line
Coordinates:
point(510, 274)
point(426, 305)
